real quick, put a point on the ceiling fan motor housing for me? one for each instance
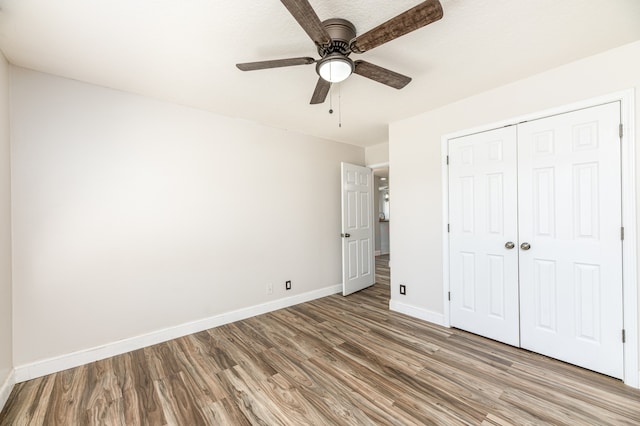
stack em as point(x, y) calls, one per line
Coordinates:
point(341, 32)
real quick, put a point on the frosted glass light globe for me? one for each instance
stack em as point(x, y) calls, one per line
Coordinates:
point(335, 68)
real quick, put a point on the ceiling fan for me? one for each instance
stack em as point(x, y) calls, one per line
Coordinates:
point(335, 40)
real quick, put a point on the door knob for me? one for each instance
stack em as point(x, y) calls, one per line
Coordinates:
point(509, 245)
point(346, 235)
point(525, 246)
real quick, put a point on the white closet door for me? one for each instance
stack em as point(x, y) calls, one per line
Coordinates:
point(570, 215)
point(483, 218)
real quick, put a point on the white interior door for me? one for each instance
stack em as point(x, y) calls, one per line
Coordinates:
point(483, 234)
point(357, 228)
point(570, 216)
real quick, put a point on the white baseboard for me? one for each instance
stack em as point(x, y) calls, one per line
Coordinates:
point(6, 388)
point(75, 359)
point(377, 253)
point(416, 312)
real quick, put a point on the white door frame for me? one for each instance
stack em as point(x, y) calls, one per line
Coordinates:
point(629, 255)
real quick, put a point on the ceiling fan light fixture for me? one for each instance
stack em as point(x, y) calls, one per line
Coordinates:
point(335, 39)
point(335, 68)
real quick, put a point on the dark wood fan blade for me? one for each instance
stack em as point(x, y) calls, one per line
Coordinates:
point(381, 75)
point(276, 63)
point(321, 92)
point(308, 20)
point(414, 18)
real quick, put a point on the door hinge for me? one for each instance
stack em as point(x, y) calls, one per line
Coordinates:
point(448, 227)
point(622, 233)
point(447, 160)
point(623, 336)
point(449, 296)
point(620, 131)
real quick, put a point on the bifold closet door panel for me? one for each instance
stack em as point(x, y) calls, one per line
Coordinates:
point(570, 218)
point(483, 234)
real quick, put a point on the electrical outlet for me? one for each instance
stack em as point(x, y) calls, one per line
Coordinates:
point(287, 285)
point(403, 289)
point(269, 288)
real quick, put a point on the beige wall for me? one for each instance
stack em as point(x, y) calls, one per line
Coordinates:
point(6, 341)
point(415, 158)
point(134, 215)
point(377, 154)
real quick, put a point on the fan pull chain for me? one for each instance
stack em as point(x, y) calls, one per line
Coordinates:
point(339, 102)
point(339, 105)
point(330, 101)
point(330, 97)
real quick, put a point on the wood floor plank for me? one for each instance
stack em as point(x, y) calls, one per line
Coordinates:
point(336, 360)
point(198, 371)
point(555, 414)
point(105, 413)
point(618, 403)
point(288, 366)
point(322, 401)
point(32, 407)
point(216, 354)
point(102, 385)
point(249, 401)
point(227, 413)
point(179, 404)
point(66, 396)
point(334, 397)
point(243, 356)
point(140, 399)
point(296, 409)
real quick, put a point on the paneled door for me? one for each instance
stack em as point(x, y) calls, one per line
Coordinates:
point(483, 232)
point(570, 238)
point(357, 228)
point(535, 213)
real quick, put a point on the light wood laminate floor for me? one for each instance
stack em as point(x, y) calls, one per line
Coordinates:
point(336, 360)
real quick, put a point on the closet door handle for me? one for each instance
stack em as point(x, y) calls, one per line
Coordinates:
point(525, 246)
point(509, 245)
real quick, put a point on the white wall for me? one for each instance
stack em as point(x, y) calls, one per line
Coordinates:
point(6, 340)
point(377, 154)
point(415, 159)
point(384, 237)
point(132, 215)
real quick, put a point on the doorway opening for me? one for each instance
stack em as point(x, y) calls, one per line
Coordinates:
point(382, 211)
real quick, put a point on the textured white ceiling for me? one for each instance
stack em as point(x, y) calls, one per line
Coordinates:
point(184, 51)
